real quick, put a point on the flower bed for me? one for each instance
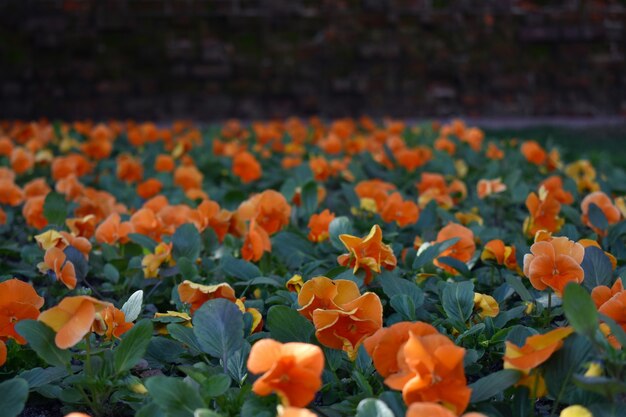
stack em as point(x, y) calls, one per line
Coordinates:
point(300, 268)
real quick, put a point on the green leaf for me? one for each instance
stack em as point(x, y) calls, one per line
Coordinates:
point(608, 387)
point(215, 385)
point(561, 367)
point(404, 305)
point(187, 242)
point(239, 268)
point(41, 339)
point(597, 218)
point(205, 412)
point(580, 310)
point(218, 326)
point(460, 267)
point(132, 307)
point(309, 198)
point(597, 267)
point(394, 285)
point(236, 364)
point(429, 252)
point(371, 407)
point(339, 226)
point(184, 335)
point(38, 377)
point(173, 396)
point(493, 384)
point(13, 395)
point(55, 208)
point(287, 325)
point(517, 284)
point(187, 268)
point(133, 346)
point(143, 241)
point(457, 300)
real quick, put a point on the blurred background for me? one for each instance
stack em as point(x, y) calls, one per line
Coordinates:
point(216, 59)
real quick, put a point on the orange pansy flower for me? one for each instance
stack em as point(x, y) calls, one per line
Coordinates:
point(496, 250)
point(291, 370)
point(246, 167)
point(18, 301)
point(256, 243)
point(369, 253)
point(10, 193)
point(463, 250)
point(325, 293)
point(82, 226)
point(22, 160)
point(318, 226)
point(604, 203)
point(554, 185)
point(376, 190)
point(554, 263)
point(488, 187)
point(111, 322)
point(33, 212)
point(36, 187)
point(611, 302)
point(188, 177)
point(402, 212)
point(493, 152)
point(269, 208)
point(164, 163)
point(112, 230)
point(294, 412)
point(56, 261)
point(431, 370)
point(198, 294)
point(543, 212)
point(72, 319)
point(533, 152)
point(149, 188)
point(384, 345)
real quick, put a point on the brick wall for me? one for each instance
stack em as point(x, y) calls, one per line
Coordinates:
point(212, 59)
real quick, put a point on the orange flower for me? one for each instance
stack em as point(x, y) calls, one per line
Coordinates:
point(611, 302)
point(188, 177)
point(402, 212)
point(269, 208)
point(64, 166)
point(164, 163)
point(72, 319)
point(493, 152)
point(82, 226)
point(256, 243)
point(18, 301)
point(431, 370)
point(295, 412)
point(149, 188)
point(463, 250)
point(129, 169)
point(153, 261)
point(428, 409)
point(320, 167)
point(411, 159)
point(111, 322)
point(544, 213)
point(325, 293)
point(246, 167)
point(291, 370)
point(487, 187)
point(533, 152)
point(554, 263)
point(376, 190)
point(56, 261)
point(503, 255)
point(536, 350)
point(22, 160)
point(444, 144)
point(198, 294)
point(554, 185)
point(474, 137)
point(36, 187)
point(10, 193)
point(432, 186)
point(112, 230)
point(146, 222)
point(33, 212)
point(384, 345)
point(604, 203)
point(346, 328)
point(369, 253)
point(318, 226)
point(3, 216)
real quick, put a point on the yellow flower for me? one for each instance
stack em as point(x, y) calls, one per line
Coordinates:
point(584, 174)
point(368, 204)
point(257, 318)
point(469, 217)
point(594, 370)
point(152, 262)
point(575, 411)
point(163, 319)
point(486, 305)
point(295, 284)
point(461, 168)
point(50, 239)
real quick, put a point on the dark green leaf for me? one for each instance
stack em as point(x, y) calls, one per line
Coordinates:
point(309, 198)
point(13, 395)
point(38, 377)
point(287, 325)
point(143, 241)
point(55, 208)
point(184, 335)
point(371, 407)
point(561, 367)
point(187, 242)
point(41, 339)
point(493, 384)
point(580, 310)
point(239, 268)
point(597, 267)
point(457, 300)
point(173, 396)
point(339, 226)
point(218, 326)
point(597, 217)
point(215, 385)
point(133, 346)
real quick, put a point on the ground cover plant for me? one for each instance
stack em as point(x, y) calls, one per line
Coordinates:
point(302, 268)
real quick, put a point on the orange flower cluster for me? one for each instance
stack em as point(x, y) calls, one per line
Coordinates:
point(422, 363)
point(343, 317)
point(611, 301)
point(495, 250)
point(433, 186)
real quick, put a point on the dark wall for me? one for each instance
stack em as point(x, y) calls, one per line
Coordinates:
point(263, 58)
